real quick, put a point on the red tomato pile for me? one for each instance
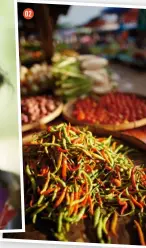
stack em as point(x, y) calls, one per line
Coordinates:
point(113, 108)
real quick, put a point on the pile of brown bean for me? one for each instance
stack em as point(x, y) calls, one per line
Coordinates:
point(35, 108)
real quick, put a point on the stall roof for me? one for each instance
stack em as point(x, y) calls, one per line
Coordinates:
point(110, 10)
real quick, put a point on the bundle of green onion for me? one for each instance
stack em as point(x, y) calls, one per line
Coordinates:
point(69, 80)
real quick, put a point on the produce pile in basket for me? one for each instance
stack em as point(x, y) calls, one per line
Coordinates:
point(118, 109)
point(35, 80)
point(69, 76)
point(78, 75)
point(35, 108)
point(30, 50)
point(71, 175)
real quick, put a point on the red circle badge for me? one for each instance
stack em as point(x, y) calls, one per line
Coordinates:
point(28, 13)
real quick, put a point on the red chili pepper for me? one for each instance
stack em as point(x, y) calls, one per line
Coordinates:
point(133, 177)
point(101, 139)
point(77, 140)
point(49, 128)
point(83, 188)
point(108, 168)
point(88, 168)
point(117, 182)
point(140, 233)
point(64, 169)
point(61, 198)
point(124, 204)
point(48, 191)
point(76, 197)
point(118, 173)
point(136, 202)
point(124, 208)
point(77, 131)
point(44, 171)
point(84, 216)
point(73, 169)
point(61, 150)
point(84, 202)
point(143, 180)
point(91, 210)
point(105, 156)
point(94, 149)
point(71, 209)
point(31, 201)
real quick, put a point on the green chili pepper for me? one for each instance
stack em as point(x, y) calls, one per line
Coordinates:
point(99, 228)
point(64, 144)
point(44, 189)
point(76, 218)
point(80, 215)
point(60, 222)
point(31, 178)
point(60, 236)
point(96, 217)
point(65, 135)
point(54, 194)
point(105, 221)
point(98, 156)
point(46, 149)
point(31, 208)
point(38, 211)
point(57, 179)
point(78, 201)
point(67, 227)
point(88, 178)
point(118, 148)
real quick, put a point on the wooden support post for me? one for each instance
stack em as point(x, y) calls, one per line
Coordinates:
point(44, 26)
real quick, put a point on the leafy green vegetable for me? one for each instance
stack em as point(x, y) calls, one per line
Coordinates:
point(69, 80)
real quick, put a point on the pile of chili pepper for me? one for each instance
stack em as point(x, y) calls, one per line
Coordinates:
point(112, 108)
point(71, 175)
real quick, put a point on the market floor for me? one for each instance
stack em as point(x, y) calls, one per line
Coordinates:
point(131, 79)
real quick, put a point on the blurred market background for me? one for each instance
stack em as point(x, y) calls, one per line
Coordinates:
point(72, 51)
point(117, 34)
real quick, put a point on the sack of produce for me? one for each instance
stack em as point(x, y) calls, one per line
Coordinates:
point(100, 77)
point(86, 57)
point(103, 81)
point(94, 64)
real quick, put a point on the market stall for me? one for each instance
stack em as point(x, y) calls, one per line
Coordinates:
point(84, 157)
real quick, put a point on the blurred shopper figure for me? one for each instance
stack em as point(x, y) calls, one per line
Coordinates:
point(141, 29)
